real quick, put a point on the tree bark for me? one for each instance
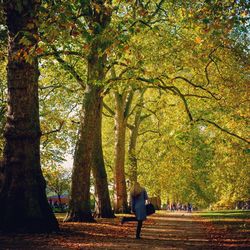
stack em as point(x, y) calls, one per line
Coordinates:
point(79, 205)
point(132, 157)
point(24, 206)
point(120, 202)
point(103, 209)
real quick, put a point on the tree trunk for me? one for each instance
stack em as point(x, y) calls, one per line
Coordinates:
point(79, 205)
point(89, 141)
point(103, 209)
point(120, 202)
point(132, 157)
point(24, 206)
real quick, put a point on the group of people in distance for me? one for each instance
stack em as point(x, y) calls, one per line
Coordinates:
point(180, 207)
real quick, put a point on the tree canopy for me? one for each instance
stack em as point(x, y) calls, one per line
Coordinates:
point(155, 91)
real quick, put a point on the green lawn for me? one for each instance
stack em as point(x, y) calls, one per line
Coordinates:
point(60, 216)
point(225, 214)
point(233, 221)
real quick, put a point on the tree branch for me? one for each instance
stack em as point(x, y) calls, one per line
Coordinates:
point(198, 96)
point(68, 67)
point(128, 103)
point(195, 86)
point(148, 131)
point(112, 113)
point(173, 89)
point(61, 52)
point(223, 129)
point(55, 130)
point(211, 60)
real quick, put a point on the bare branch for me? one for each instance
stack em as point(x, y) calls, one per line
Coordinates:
point(110, 116)
point(112, 113)
point(198, 96)
point(50, 86)
point(172, 89)
point(146, 116)
point(223, 129)
point(131, 127)
point(51, 90)
point(68, 67)
point(55, 130)
point(61, 52)
point(157, 9)
point(195, 85)
point(149, 131)
point(211, 60)
point(178, 92)
point(184, 101)
point(206, 72)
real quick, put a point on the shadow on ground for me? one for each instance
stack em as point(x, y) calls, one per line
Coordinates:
point(161, 231)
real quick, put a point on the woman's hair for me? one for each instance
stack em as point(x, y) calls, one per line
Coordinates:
point(136, 189)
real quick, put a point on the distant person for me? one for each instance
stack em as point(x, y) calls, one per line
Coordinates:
point(189, 207)
point(56, 204)
point(138, 196)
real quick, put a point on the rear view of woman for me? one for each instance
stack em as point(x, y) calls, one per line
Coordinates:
point(138, 196)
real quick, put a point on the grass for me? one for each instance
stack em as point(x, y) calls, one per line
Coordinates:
point(60, 216)
point(225, 214)
point(234, 221)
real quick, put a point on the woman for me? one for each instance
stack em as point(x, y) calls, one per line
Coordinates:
point(138, 197)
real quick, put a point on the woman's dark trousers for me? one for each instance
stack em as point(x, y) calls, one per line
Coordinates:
point(138, 229)
point(139, 225)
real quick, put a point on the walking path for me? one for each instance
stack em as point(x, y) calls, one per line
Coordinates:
point(173, 231)
point(163, 230)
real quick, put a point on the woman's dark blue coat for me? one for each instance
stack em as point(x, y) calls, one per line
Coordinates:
point(138, 205)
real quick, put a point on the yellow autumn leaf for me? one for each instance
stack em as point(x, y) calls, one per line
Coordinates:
point(198, 40)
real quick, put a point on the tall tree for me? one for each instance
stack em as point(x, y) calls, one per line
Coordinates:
point(122, 108)
point(97, 15)
point(24, 205)
point(78, 48)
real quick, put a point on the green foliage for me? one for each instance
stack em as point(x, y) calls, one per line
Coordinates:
point(60, 101)
point(58, 179)
point(193, 59)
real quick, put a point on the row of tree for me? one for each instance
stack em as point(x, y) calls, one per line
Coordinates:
point(172, 73)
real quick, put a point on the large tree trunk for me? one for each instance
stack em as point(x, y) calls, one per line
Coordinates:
point(120, 202)
point(88, 143)
point(79, 205)
point(103, 209)
point(24, 206)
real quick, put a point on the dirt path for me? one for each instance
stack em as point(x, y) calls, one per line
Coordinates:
point(161, 231)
